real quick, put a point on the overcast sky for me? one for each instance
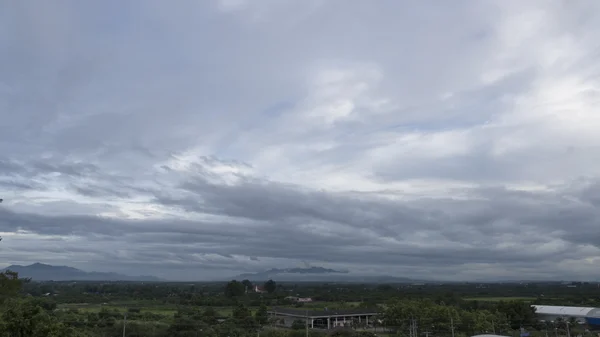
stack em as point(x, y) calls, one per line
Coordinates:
point(201, 139)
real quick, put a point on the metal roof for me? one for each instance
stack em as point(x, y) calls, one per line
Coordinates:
point(323, 313)
point(562, 311)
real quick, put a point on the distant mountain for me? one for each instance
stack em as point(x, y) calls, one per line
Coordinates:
point(294, 271)
point(319, 274)
point(45, 272)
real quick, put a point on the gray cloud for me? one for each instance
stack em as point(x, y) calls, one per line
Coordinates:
point(206, 138)
point(495, 227)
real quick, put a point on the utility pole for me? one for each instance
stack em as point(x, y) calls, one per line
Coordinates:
point(416, 334)
point(124, 323)
point(568, 331)
point(413, 328)
point(493, 328)
point(306, 323)
point(452, 325)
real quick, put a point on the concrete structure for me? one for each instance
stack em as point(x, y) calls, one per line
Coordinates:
point(583, 315)
point(324, 319)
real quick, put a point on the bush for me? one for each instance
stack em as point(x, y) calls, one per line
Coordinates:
point(299, 324)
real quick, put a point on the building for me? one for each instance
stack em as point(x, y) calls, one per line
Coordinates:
point(583, 315)
point(299, 299)
point(259, 290)
point(324, 319)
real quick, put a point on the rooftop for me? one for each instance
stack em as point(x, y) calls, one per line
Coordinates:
point(563, 311)
point(324, 313)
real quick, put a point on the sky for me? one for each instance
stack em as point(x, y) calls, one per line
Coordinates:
point(194, 140)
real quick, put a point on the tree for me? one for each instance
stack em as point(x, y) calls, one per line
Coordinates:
point(209, 316)
point(519, 313)
point(10, 285)
point(247, 284)
point(261, 316)
point(242, 317)
point(275, 333)
point(298, 324)
point(241, 312)
point(270, 286)
point(186, 322)
point(234, 289)
point(27, 319)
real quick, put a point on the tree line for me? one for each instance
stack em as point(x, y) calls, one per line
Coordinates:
point(438, 310)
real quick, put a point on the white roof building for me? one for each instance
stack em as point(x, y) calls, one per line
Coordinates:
point(560, 311)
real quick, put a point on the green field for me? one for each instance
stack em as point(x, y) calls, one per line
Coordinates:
point(498, 299)
point(164, 310)
point(84, 307)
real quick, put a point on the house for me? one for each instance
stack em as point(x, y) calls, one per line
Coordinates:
point(258, 289)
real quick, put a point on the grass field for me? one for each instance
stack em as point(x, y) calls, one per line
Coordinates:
point(84, 307)
point(498, 299)
point(164, 310)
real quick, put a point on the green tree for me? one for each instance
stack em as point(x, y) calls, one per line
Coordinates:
point(247, 284)
point(261, 316)
point(298, 324)
point(234, 289)
point(241, 312)
point(186, 322)
point(242, 318)
point(209, 316)
point(10, 285)
point(274, 333)
point(23, 318)
point(270, 286)
point(518, 313)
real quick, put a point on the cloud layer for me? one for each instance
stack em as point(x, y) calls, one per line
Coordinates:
point(203, 139)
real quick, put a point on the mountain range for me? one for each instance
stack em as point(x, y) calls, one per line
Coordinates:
point(319, 274)
point(45, 272)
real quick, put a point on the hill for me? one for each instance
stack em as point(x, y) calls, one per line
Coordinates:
point(318, 274)
point(45, 272)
